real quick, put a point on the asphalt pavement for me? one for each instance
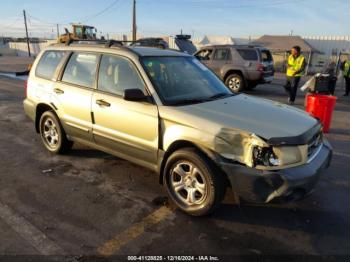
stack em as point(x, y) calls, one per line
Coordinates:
point(90, 203)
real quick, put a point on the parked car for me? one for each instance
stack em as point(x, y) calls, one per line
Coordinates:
point(181, 42)
point(151, 42)
point(166, 111)
point(238, 66)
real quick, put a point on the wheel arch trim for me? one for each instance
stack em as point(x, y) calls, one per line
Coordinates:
point(39, 110)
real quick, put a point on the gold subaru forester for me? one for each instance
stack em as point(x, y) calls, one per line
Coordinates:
point(166, 111)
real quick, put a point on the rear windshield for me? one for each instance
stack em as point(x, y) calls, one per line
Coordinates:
point(266, 56)
point(48, 64)
point(248, 54)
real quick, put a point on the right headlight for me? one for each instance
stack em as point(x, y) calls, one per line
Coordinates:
point(264, 156)
point(279, 156)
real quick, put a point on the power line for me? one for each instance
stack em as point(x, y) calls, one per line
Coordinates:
point(229, 4)
point(83, 19)
point(40, 20)
point(100, 12)
point(47, 22)
point(10, 25)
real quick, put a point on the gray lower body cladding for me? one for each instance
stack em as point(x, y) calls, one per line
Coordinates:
point(257, 186)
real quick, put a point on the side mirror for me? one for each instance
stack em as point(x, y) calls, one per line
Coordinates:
point(134, 95)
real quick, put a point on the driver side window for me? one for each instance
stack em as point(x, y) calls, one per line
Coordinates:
point(117, 74)
point(204, 55)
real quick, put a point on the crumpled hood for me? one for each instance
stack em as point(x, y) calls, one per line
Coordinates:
point(265, 118)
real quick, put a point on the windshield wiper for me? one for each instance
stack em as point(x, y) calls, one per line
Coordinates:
point(219, 95)
point(200, 100)
point(189, 101)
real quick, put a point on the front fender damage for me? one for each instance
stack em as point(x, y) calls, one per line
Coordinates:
point(237, 145)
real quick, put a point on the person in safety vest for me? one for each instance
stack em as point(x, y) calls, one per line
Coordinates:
point(295, 70)
point(346, 74)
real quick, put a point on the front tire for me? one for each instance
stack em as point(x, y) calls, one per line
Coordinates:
point(235, 82)
point(52, 134)
point(193, 183)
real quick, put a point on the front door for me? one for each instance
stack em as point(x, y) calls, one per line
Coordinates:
point(129, 129)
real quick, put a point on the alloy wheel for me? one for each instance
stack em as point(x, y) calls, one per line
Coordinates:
point(234, 83)
point(188, 183)
point(50, 133)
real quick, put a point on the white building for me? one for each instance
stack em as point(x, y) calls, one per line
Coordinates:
point(329, 45)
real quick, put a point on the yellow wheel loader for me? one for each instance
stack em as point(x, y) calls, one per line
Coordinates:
point(79, 32)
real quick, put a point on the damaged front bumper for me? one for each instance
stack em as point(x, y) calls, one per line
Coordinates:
point(287, 184)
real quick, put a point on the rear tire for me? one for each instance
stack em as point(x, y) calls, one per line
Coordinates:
point(235, 82)
point(52, 134)
point(193, 182)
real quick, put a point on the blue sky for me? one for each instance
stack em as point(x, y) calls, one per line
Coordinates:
point(168, 17)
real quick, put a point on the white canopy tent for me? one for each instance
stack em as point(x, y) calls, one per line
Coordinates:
point(220, 40)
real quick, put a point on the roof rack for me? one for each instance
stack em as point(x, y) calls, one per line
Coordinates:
point(105, 43)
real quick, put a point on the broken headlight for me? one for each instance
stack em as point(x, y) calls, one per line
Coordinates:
point(264, 156)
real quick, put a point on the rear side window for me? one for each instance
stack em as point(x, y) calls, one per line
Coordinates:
point(222, 54)
point(117, 74)
point(48, 63)
point(81, 69)
point(248, 54)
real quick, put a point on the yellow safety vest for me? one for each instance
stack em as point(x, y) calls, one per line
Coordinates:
point(294, 65)
point(346, 71)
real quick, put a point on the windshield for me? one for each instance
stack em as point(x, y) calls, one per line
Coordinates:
point(183, 80)
point(89, 31)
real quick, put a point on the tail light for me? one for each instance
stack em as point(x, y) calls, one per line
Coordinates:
point(260, 67)
point(25, 87)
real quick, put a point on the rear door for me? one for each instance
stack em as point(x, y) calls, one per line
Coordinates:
point(73, 93)
point(250, 55)
point(41, 86)
point(251, 63)
point(221, 57)
point(129, 129)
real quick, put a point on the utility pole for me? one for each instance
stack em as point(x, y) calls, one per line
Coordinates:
point(134, 21)
point(58, 31)
point(25, 24)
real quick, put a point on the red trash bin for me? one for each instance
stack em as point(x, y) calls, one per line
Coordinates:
point(321, 107)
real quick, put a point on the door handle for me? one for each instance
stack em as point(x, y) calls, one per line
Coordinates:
point(101, 102)
point(58, 91)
